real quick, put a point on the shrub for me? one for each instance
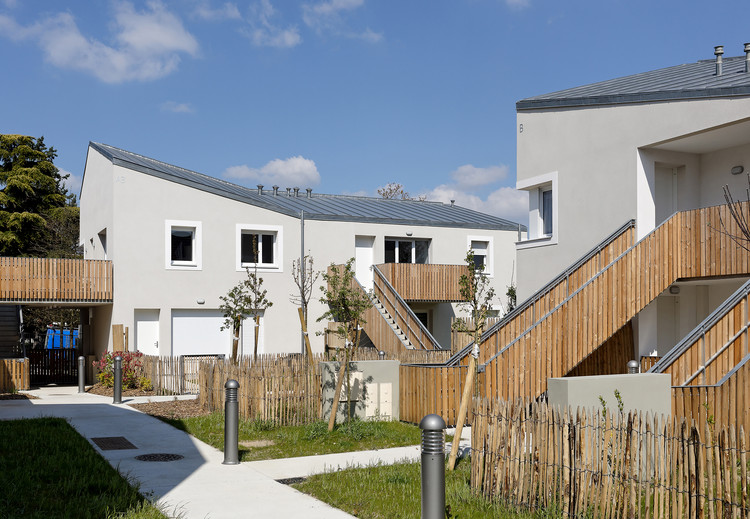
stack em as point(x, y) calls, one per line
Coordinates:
point(132, 370)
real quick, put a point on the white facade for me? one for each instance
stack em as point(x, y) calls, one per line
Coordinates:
point(608, 163)
point(171, 306)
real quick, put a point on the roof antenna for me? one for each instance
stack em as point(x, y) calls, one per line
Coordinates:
point(718, 52)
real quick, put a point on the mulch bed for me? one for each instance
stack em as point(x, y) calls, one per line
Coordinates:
point(99, 389)
point(173, 409)
point(16, 396)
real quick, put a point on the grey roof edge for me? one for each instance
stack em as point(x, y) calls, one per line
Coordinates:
point(505, 225)
point(642, 97)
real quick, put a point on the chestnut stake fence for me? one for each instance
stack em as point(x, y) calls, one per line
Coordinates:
point(283, 390)
point(588, 465)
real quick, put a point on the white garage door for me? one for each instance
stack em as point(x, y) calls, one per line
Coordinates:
point(198, 332)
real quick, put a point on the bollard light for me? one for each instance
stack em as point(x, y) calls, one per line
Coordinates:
point(231, 423)
point(381, 355)
point(81, 374)
point(633, 367)
point(117, 397)
point(433, 467)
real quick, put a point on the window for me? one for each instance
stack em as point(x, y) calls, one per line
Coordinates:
point(543, 210)
point(406, 251)
point(182, 245)
point(259, 246)
point(482, 247)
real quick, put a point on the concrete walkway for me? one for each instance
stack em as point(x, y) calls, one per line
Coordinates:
point(198, 485)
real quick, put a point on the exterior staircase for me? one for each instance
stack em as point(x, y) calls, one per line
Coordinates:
point(380, 307)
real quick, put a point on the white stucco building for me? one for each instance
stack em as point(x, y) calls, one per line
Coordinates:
point(179, 240)
point(640, 147)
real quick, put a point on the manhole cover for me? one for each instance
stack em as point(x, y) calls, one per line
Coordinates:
point(159, 456)
point(113, 443)
point(290, 481)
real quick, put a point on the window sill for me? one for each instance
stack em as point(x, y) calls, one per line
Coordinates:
point(183, 266)
point(260, 268)
point(536, 242)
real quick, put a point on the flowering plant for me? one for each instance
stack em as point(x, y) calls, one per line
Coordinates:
point(132, 370)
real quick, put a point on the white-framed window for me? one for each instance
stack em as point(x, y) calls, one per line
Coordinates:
point(259, 246)
point(408, 250)
point(543, 210)
point(182, 245)
point(482, 247)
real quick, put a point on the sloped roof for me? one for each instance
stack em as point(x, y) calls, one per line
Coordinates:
point(689, 81)
point(318, 206)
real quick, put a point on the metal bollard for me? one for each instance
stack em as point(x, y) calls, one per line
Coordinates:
point(118, 381)
point(433, 467)
point(231, 423)
point(81, 374)
point(381, 355)
point(633, 367)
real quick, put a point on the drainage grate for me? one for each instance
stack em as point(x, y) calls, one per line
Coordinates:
point(290, 481)
point(113, 443)
point(159, 456)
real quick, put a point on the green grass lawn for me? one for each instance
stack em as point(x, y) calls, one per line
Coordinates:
point(394, 492)
point(304, 440)
point(48, 470)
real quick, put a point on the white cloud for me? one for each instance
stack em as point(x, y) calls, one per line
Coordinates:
point(266, 34)
point(328, 16)
point(294, 171)
point(518, 4)
point(178, 108)
point(72, 183)
point(148, 45)
point(505, 202)
point(227, 11)
point(470, 176)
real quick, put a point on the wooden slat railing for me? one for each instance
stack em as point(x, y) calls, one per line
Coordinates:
point(687, 246)
point(533, 310)
point(55, 280)
point(425, 282)
point(405, 318)
point(430, 389)
point(714, 347)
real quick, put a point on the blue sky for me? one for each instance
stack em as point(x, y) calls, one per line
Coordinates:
point(342, 96)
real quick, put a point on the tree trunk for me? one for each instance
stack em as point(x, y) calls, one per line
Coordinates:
point(235, 343)
point(337, 396)
point(462, 411)
point(257, 332)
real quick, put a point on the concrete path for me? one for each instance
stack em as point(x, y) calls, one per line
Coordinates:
point(198, 485)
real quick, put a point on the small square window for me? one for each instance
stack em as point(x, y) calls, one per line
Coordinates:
point(183, 245)
point(481, 246)
point(259, 246)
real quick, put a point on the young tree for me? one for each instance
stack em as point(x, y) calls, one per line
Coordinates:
point(477, 298)
point(246, 299)
point(305, 277)
point(740, 216)
point(347, 304)
point(31, 187)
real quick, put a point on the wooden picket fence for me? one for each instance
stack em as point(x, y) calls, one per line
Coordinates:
point(14, 375)
point(174, 375)
point(283, 390)
point(587, 465)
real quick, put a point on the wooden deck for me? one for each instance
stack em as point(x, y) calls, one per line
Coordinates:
point(46, 280)
point(424, 283)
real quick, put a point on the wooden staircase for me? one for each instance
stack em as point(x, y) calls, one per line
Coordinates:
point(520, 354)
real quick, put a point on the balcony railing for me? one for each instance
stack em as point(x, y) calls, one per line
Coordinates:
point(423, 282)
point(55, 280)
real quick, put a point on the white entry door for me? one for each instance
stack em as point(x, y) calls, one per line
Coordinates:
point(363, 259)
point(147, 332)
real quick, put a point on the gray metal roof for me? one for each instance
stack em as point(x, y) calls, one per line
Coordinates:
point(689, 81)
point(317, 206)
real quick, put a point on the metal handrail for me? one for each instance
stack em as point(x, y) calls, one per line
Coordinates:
point(536, 296)
point(409, 312)
point(681, 347)
point(726, 377)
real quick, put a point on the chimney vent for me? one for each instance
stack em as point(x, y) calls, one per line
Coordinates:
point(275, 190)
point(747, 57)
point(452, 202)
point(296, 192)
point(309, 192)
point(260, 189)
point(288, 191)
point(718, 52)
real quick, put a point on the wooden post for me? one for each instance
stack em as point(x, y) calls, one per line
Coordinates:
point(462, 410)
point(117, 337)
point(307, 338)
point(337, 395)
